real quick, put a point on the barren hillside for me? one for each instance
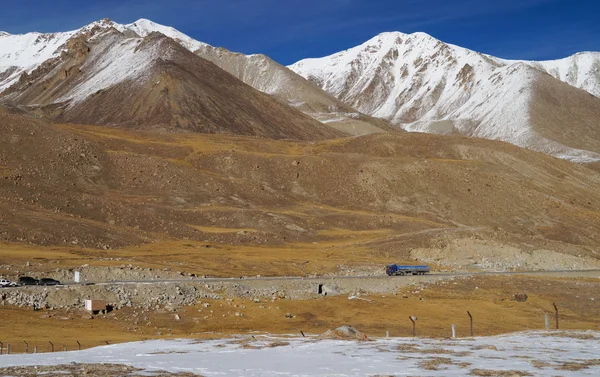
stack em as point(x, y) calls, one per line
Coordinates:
point(407, 195)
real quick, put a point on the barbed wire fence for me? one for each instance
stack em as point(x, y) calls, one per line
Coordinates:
point(28, 347)
point(23, 347)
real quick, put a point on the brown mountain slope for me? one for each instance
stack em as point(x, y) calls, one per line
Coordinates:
point(380, 196)
point(107, 78)
point(264, 74)
point(566, 114)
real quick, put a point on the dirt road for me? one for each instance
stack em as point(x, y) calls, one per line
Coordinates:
point(432, 276)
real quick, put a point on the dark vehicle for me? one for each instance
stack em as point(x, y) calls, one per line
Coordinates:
point(28, 280)
point(395, 270)
point(48, 281)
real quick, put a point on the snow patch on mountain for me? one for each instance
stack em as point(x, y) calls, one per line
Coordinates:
point(114, 60)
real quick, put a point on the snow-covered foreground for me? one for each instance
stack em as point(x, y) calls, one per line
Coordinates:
point(530, 354)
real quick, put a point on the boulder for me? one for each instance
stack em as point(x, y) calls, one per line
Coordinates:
point(344, 333)
point(520, 297)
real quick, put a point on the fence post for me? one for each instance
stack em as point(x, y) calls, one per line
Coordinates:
point(387, 334)
point(64, 348)
point(471, 321)
point(52, 346)
point(453, 331)
point(1, 345)
point(414, 322)
point(34, 349)
point(107, 343)
point(26, 347)
point(8, 349)
point(547, 321)
point(78, 345)
point(556, 310)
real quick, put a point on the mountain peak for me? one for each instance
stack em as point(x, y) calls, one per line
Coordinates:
point(143, 27)
point(386, 35)
point(104, 23)
point(147, 26)
point(392, 37)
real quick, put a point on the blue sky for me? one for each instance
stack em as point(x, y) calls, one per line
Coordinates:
point(289, 30)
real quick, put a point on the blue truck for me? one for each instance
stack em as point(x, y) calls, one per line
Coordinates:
point(396, 270)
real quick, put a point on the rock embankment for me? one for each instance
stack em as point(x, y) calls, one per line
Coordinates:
point(148, 296)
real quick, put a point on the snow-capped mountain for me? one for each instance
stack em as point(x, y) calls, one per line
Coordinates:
point(21, 54)
point(411, 80)
point(400, 77)
point(108, 74)
point(422, 84)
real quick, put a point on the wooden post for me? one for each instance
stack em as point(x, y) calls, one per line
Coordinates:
point(1, 345)
point(547, 321)
point(387, 334)
point(51, 346)
point(414, 322)
point(78, 345)
point(34, 349)
point(453, 331)
point(556, 311)
point(64, 348)
point(302, 332)
point(107, 343)
point(26, 347)
point(471, 321)
point(8, 349)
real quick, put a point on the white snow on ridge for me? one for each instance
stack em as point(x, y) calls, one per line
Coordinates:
point(30, 49)
point(535, 353)
point(26, 52)
point(143, 27)
point(581, 70)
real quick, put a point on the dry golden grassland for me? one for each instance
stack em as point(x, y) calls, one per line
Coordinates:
point(438, 306)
